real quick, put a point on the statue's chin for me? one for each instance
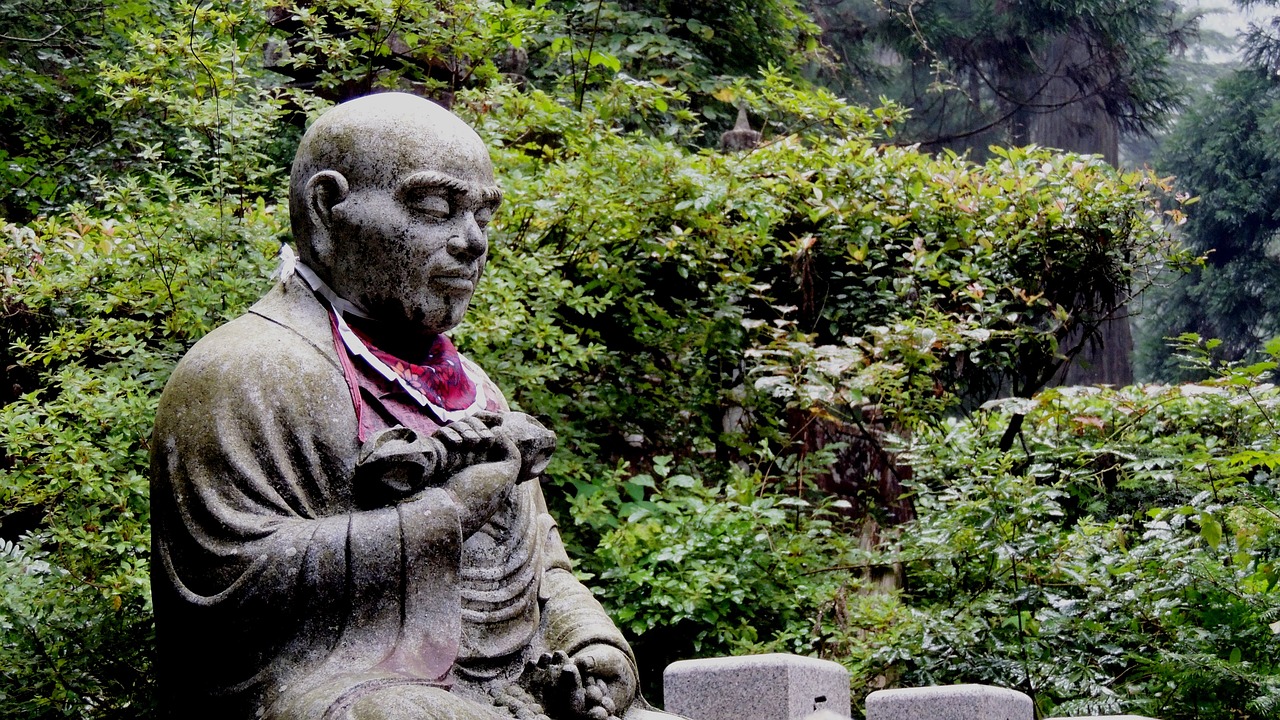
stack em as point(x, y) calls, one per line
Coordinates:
point(452, 316)
point(438, 326)
point(391, 319)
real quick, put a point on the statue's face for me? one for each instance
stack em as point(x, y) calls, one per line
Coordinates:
point(409, 236)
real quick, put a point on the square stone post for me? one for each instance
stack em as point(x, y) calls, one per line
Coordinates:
point(755, 687)
point(950, 702)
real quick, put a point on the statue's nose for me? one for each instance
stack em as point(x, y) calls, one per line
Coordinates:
point(471, 242)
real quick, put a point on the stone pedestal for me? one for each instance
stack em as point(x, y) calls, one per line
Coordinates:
point(950, 702)
point(755, 687)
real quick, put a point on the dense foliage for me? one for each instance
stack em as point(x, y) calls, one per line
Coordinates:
point(649, 295)
point(678, 315)
point(111, 304)
point(682, 44)
point(1119, 557)
point(55, 133)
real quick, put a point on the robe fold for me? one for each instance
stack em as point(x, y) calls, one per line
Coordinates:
point(277, 596)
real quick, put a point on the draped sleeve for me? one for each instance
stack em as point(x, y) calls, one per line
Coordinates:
point(265, 574)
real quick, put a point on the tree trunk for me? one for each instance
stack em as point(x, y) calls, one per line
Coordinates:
point(1068, 114)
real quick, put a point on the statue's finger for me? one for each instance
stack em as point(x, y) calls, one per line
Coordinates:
point(572, 675)
point(598, 713)
point(483, 433)
point(465, 430)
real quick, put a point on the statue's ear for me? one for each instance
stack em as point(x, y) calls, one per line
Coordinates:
point(324, 190)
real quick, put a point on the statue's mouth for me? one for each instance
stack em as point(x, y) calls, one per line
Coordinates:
point(453, 282)
point(461, 280)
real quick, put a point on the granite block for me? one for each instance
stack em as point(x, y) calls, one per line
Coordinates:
point(950, 702)
point(756, 687)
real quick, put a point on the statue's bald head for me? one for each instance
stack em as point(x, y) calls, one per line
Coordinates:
point(389, 199)
point(376, 141)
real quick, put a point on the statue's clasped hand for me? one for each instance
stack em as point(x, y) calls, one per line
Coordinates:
point(595, 683)
point(476, 460)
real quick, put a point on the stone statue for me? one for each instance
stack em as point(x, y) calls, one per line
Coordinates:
point(346, 514)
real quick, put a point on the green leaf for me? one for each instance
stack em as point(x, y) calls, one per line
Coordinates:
point(682, 481)
point(1210, 530)
point(598, 58)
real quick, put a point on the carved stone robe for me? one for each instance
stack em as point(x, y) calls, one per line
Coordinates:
point(277, 597)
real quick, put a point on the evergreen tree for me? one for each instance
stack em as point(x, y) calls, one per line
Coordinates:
point(1226, 152)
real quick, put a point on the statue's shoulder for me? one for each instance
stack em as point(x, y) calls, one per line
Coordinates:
point(263, 381)
point(281, 345)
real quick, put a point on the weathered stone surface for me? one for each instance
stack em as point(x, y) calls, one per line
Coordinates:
point(826, 715)
point(950, 702)
point(755, 687)
point(347, 521)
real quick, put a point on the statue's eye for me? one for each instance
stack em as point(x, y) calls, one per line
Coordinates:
point(483, 216)
point(430, 203)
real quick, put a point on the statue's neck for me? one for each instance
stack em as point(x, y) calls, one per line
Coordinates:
point(410, 347)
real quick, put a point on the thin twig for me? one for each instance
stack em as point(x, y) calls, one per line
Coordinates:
point(38, 40)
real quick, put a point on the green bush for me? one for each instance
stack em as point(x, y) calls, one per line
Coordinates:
point(1121, 557)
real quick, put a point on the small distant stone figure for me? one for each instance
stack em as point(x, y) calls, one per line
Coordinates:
point(347, 520)
point(741, 137)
